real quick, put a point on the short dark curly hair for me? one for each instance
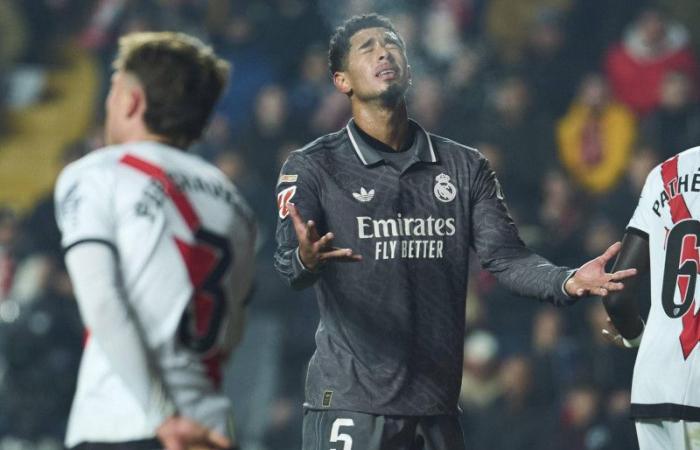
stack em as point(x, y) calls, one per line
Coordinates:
point(182, 79)
point(340, 41)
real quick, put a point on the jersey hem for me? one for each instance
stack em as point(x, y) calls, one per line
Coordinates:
point(141, 444)
point(309, 407)
point(665, 411)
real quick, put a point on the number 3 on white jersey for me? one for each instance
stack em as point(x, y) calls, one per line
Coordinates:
point(337, 436)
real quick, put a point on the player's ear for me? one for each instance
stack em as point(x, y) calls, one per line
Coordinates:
point(342, 84)
point(409, 72)
point(137, 101)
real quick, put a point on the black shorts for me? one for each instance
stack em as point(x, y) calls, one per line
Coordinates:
point(145, 444)
point(346, 430)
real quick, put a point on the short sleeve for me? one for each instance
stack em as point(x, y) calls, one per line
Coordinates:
point(642, 219)
point(83, 206)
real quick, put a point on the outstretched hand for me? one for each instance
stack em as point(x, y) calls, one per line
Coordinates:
point(591, 278)
point(181, 433)
point(314, 249)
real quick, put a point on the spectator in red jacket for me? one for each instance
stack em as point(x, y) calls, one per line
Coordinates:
point(652, 46)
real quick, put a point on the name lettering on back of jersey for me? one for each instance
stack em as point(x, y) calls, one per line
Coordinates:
point(385, 232)
point(287, 179)
point(151, 199)
point(676, 186)
point(211, 187)
point(153, 196)
point(363, 196)
point(283, 198)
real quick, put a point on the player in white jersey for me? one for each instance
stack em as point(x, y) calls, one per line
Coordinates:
point(160, 249)
point(664, 236)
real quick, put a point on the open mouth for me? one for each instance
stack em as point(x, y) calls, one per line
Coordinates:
point(386, 74)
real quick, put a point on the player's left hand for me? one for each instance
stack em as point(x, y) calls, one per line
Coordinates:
point(181, 433)
point(592, 279)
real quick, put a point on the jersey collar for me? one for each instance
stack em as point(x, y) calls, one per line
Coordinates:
point(369, 156)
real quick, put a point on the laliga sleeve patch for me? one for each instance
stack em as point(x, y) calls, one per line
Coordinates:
point(283, 198)
point(287, 179)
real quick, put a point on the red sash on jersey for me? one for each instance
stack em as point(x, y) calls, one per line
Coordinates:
point(197, 260)
point(679, 211)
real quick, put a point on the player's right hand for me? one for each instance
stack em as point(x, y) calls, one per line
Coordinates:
point(592, 279)
point(315, 250)
point(181, 433)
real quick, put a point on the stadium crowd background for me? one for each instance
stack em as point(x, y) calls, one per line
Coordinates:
point(573, 101)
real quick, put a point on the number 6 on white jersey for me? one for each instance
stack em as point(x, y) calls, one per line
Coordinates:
point(336, 436)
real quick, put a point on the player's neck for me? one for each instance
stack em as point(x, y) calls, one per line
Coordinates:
point(388, 125)
point(144, 136)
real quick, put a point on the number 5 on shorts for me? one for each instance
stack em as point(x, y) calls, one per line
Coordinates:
point(337, 436)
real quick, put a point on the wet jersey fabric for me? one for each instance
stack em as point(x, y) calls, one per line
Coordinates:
point(391, 331)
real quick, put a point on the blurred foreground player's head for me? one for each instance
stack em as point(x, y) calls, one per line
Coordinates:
point(367, 60)
point(164, 88)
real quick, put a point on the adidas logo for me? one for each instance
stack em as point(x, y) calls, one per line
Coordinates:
point(363, 196)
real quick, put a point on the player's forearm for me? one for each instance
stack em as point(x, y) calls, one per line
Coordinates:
point(503, 253)
point(623, 311)
point(93, 271)
point(622, 306)
point(531, 275)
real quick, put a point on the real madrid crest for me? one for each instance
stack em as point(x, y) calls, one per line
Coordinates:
point(444, 190)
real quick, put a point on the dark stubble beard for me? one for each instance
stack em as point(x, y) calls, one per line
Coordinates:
point(393, 94)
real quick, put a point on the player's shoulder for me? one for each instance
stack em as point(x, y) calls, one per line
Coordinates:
point(326, 143)
point(96, 163)
point(690, 157)
point(687, 161)
point(317, 150)
point(445, 143)
point(453, 148)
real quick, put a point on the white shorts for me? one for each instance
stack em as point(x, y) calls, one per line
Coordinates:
point(668, 435)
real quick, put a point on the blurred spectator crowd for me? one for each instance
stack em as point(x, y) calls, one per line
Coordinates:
point(573, 102)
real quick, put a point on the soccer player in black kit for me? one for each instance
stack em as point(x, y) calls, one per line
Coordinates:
point(401, 208)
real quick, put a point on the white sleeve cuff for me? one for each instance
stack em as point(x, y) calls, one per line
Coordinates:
point(298, 257)
point(301, 263)
point(570, 274)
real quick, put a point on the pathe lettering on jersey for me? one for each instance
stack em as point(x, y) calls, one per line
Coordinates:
point(677, 186)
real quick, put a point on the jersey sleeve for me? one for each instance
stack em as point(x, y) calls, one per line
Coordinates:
point(643, 216)
point(114, 326)
point(496, 241)
point(83, 206)
point(296, 184)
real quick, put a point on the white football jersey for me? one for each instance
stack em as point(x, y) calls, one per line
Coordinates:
point(667, 370)
point(184, 240)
